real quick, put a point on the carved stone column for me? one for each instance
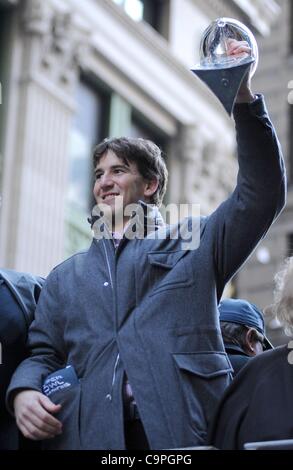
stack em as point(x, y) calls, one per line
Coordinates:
point(51, 50)
point(208, 170)
point(189, 160)
point(218, 172)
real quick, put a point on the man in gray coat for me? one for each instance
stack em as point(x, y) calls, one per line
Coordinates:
point(137, 319)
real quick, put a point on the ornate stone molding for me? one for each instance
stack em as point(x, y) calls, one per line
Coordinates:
point(37, 17)
point(216, 8)
point(209, 169)
point(64, 41)
point(261, 14)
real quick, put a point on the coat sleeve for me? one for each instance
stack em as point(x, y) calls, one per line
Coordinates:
point(26, 290)
point(243, 219)
point(45, 342)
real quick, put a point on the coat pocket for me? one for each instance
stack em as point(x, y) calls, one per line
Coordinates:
point(69, 415)
point(168, 270)
point(203, 379)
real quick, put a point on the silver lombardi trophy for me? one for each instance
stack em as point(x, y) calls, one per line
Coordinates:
point(221, 71)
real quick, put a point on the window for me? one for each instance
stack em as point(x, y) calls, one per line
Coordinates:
point(142, 128)
point(134, 8)
point(153, 12)
point(90, 126)
point(87, 130)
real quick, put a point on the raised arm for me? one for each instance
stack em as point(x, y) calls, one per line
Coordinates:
point(244, 218)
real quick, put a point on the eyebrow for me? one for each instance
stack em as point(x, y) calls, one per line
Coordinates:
point(114, 167)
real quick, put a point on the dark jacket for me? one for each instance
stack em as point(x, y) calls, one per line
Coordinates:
point(18, 296)
point(150, 309)
point(258, 404)
point(237, 357)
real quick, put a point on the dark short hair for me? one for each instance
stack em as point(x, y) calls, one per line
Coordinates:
point(144, 153)
point(233, 333)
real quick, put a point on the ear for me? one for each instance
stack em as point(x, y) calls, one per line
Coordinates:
point(150, 187)
point(250, 341)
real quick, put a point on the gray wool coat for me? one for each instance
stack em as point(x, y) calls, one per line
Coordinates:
point(150, 309)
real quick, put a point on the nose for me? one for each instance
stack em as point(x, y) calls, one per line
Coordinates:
point(106, 181)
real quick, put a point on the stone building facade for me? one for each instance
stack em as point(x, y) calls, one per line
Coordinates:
point(74, 72)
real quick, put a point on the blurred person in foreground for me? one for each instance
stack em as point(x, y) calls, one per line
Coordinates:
point(19, 293)
point(243, 331)
point(136, 318)
point(258, 405)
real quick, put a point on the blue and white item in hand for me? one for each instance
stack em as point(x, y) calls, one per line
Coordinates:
point(60, 380)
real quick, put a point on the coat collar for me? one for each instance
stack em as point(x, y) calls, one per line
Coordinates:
point(235, 349)
point(143, 221)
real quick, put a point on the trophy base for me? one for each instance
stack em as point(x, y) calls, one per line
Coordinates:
point(225, 82)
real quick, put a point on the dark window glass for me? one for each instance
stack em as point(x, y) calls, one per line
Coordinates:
point(87, 130)
point(142, 128)
point(154, 12)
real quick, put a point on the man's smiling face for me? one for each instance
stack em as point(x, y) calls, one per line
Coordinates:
point(114, 178)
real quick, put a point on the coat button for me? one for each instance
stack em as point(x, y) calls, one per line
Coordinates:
point(106, 284)
point(108, 397)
